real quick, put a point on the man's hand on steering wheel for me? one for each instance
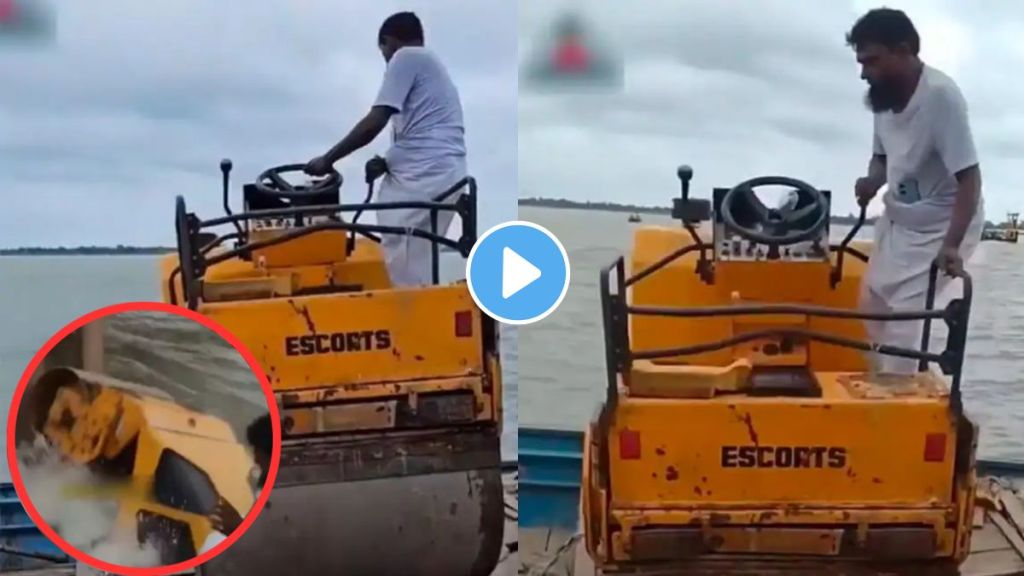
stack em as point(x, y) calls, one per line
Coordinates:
point(319, 166)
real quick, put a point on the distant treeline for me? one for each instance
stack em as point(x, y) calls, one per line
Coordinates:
point(632, 208)
point(119, 250)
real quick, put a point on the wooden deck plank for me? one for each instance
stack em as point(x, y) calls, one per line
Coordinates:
point(1014, 507)
point(988, 538)
point(1014, 537)
point(993, 563)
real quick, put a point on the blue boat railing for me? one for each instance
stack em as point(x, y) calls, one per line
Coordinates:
point(551, 470)
point(22, 545)
point(550, 473)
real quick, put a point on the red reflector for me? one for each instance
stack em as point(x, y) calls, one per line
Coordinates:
point(935, 448)
point(629, 444)
point(464, 324)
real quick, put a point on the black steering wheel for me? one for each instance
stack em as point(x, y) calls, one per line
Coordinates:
point(775, 227)
point(271, 183)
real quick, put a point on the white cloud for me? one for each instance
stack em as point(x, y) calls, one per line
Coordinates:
point(138, 102)
point(769, 88)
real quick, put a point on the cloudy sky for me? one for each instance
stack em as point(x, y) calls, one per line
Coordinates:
point(769, 88)
point(137, 102)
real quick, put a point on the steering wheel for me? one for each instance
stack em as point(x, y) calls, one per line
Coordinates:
point(271, 183)
point(776, 227)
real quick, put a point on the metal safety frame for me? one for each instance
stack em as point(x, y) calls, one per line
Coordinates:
point(194, 258)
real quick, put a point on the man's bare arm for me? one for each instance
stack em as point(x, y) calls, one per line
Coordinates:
point(968, 190)
point(876, 170)
point(362, 133)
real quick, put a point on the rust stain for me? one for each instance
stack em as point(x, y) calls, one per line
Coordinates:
point(876, 480)
point(698, 491)
point(850, 473)
point(671, 474)
point(749, 422)
point(418, 358)
point(304, 312)
point(659, 451)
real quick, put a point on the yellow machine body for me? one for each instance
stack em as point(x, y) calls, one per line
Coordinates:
point(685, 462)
point(390, 401)
point(167, 464)
point(355, 358)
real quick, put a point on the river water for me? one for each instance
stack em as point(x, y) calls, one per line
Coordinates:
point(562, 374)
point(41, 295)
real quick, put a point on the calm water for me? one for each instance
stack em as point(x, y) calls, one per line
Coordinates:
point(41, 295)
point(562, 375)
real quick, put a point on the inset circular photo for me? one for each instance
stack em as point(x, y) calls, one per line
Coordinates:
point(143, 439)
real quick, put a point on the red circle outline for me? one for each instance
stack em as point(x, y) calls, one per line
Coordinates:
point(275, 420)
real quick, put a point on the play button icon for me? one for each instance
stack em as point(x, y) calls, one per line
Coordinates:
point(518, 272)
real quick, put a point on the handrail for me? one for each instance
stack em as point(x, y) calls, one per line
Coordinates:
point(619, 356)
point(194, 260)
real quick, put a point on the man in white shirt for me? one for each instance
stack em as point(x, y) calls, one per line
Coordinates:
point(924, 151)
point(428, 151)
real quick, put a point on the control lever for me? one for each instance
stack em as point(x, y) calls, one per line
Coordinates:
point(685, 174)
point(225, 171)
point(375, 168)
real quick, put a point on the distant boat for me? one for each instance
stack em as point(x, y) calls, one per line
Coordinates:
point(1007, 232)
point(634, 218)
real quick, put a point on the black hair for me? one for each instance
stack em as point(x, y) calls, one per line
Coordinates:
point(260, 435)
point(885, 26)
point(403, 26)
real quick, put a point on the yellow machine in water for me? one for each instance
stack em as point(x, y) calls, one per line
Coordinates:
point(168, 465)
point(742, 424)
point(391, 397)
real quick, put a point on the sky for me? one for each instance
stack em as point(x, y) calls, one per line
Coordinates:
point(137, 102)
point(770, 88)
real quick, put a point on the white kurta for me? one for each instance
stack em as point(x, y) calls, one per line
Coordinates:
point(925, 145)
point(427, 156)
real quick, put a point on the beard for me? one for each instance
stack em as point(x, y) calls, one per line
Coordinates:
point(882, 96)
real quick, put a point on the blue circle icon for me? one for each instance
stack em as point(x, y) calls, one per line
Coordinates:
point(518, 272)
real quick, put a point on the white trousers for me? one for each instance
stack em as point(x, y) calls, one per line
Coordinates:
point(896, 279)
point(409, 258)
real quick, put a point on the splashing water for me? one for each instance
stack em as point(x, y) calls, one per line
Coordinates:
point(85, 523)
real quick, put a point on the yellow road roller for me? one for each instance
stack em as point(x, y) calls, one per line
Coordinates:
point(390, 396)
point(743, 430)
point(163, 465)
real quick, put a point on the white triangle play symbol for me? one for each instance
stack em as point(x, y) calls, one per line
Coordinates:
point(516, 273)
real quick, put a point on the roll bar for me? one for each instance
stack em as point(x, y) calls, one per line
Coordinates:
point(619, 356)
point(194, 259)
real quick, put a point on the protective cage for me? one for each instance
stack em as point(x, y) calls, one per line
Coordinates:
point(195, 245)
point(620, 356)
